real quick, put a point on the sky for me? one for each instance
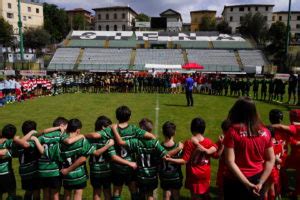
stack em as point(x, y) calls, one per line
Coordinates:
point(154, 7)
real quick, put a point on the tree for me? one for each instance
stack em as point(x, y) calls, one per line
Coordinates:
point(223, 27)
point(208, 23)
point(55, 22)
point(78, 22)
point(254, 26)
point(142, 18)
point(36, 38)
point(6, 33)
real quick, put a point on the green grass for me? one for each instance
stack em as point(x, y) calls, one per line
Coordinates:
point(87, 107)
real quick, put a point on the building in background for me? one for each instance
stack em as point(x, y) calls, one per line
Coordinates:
point(197, 16)
point(31, 13)
point(174, 20)
point(186, 27)
point(84, 14)
point(282, 16)
point(234, 14)
point(117, 18)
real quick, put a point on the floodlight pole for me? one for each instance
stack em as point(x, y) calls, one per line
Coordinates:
point(288, 29)
point(21, 43)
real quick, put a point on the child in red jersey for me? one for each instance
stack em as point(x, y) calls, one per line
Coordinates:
point(196, 156)
point(221, 156)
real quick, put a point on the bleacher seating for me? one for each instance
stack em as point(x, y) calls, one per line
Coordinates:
point(214, 60)
point(87, 43)
point(109, 59)
point(252, 58)
point(64, 59)
point(159, 56)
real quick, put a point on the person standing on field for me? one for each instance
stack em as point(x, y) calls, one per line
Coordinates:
point(189, 84)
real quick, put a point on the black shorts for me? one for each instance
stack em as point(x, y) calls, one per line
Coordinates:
point(39, 86)
point(121, 179)
point(292, 90)
point(98, 183)
point(7, 183)
point(75, 187)
point(149, 187)
point(30, 184)
point(175, 185)
point(51, 182)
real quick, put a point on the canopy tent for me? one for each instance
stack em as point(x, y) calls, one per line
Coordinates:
point(192, 66)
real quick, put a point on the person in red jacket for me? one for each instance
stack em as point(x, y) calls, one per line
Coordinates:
point(249, 153)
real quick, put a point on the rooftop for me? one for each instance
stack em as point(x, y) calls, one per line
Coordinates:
point(79, 10)
point(116, 7)
point(199, 11)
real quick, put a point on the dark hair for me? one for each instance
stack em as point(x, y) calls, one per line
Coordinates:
point(59, 121)
point(101, 122)
point(169, 129)
point(28, 126)
point(275, 116)
point(244, 112)
point(123, 114)
point(9, 131)
point(73, 125)
point(198, 126)
point(225, 125)
point(146, 124)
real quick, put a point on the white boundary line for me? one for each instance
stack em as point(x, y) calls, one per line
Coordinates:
point(155, 195)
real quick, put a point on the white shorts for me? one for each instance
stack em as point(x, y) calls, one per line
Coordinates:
point(173, 85)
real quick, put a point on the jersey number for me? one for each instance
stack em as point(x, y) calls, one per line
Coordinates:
point(146, 160)
point(100, 159)
point(123, 152)
point(168, 167)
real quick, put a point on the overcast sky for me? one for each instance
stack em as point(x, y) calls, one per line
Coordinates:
point(154, 7)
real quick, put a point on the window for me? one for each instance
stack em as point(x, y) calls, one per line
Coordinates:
point(298, 18)
point(9, 5)
point(123, 27)
point(123, 16)
point(24, 18)
point(241, 18)
point(266, 18)
point(99, 17)
point(280, 18)
point(29, 17)
point(231, 9)
point(256, 8)
point(99, 27)
point(115, 16)
point(107, 27)
point(231, 18)
point(107, 16)
point(267, 8)
point(298, 26)
point(29, 9)
point(249, 8)
point(37, 10)
point(115, 27)
point(242, 9)
point(10, 15)
point(273, 18)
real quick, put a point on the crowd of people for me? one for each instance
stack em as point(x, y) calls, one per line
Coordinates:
point(18, 88)
point(255, 161)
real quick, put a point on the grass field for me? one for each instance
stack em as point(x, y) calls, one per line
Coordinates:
point(87, 107)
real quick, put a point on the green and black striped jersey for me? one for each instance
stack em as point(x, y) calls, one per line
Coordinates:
point(67, 155)
point(46, 166)
point(5, 163)
point(170, 172)
point(148, 156)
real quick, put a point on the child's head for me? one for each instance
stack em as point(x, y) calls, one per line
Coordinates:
point(169, 129)
point(275, 116)
point(74, 126)
point(102, 122)
point(9, 131)
point(28, 126)
point(146, 124)
point(123, 114)
point(198, 126)
point(295, 115)
point(60, 121)
point(225, 125)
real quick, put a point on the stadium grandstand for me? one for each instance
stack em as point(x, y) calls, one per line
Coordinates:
point(133, 50)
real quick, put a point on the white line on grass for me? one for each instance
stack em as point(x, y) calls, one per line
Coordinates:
point(156, 132)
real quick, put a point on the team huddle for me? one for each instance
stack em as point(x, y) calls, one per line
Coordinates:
point(124, 154)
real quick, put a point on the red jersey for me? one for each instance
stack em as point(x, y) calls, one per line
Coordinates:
point(197, 167)
point(222, 165)
point(249, 151)
point(294, 156)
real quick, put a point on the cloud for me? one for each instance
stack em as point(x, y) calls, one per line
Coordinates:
point(154, 7)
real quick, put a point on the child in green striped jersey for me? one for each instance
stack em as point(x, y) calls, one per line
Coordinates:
point(149, 154)
point(170, 174)
point(7, 176)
